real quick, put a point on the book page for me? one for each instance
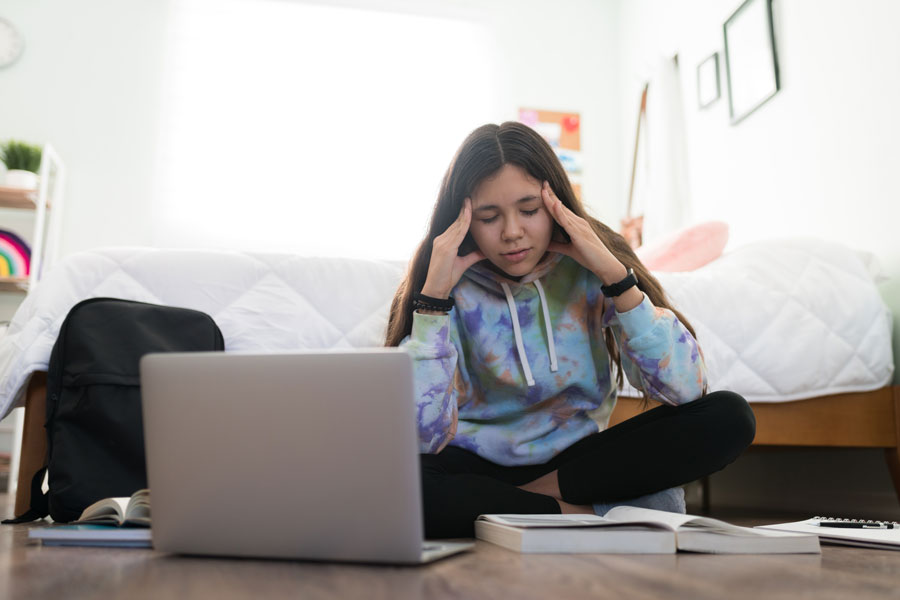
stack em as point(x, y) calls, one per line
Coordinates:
point(107, 510)
point(675, 521)
point(550, 520)
point(137, 512)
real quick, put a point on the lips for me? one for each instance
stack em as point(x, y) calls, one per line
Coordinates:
point(517, 256)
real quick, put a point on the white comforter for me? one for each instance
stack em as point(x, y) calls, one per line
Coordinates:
point(787, 320)
point(261, 302)
point(777, 320)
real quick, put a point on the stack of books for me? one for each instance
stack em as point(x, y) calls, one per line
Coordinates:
point(111, 522)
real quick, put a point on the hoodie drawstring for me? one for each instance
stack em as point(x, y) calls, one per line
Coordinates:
point(517, 332)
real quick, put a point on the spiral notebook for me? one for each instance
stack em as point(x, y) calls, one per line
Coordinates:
point(881, 535)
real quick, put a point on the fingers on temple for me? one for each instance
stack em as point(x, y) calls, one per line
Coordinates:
point(548, 199)
point(465, 216)
point(461, 226)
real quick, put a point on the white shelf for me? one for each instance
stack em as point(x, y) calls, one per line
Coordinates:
point(11, 197)
point(14, 284)
point(44, 251)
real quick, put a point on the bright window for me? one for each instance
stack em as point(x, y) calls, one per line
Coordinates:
point(298, 127)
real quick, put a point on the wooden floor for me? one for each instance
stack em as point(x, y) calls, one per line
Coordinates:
point(32, 571)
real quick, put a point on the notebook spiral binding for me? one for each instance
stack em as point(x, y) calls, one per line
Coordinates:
point(895, 524)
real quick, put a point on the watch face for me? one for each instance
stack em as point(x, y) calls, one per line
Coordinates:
point(11, 43)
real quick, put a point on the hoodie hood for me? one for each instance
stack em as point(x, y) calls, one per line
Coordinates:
point(491, 280)
point(503, 286)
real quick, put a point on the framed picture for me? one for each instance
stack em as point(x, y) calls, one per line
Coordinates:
point(708, 87)
point(751, 65)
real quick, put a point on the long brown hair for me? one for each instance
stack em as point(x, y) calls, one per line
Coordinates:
point(483, 153)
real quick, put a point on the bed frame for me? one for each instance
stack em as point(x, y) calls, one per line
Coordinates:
point(858, 420)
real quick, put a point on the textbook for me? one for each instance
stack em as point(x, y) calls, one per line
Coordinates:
point(631, 530)
point(115, 522)
point(119, 512)
point(881, 535)
point(92, 535)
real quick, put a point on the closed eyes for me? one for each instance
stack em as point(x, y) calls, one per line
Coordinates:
point(527, 213)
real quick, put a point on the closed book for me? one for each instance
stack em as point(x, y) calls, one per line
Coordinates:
point(92, 535)
point(631, 530)
point(572, 536)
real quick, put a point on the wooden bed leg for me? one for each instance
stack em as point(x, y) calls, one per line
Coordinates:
point(704, 497)
point(892, 455)
point(34, 439)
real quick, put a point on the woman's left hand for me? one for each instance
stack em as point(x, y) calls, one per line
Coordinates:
point(586, 247)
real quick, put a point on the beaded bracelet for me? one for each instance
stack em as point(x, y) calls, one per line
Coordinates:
point(434, 304)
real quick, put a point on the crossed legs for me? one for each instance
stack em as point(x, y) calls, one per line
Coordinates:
point(661, 448)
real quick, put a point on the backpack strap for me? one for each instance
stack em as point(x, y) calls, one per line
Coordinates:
point(39, 506)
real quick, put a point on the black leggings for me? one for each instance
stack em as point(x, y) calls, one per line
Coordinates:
point(658, 449)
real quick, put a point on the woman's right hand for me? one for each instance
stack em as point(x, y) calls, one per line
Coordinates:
point(446, 266)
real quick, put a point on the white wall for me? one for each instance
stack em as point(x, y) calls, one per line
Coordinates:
point(564, 56)
point(821, 157)
point(89, 82)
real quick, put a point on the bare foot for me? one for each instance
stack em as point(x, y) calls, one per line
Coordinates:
point(575, 509)
point(548, 485)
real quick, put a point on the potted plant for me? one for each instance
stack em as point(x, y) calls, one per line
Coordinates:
point(22, 161)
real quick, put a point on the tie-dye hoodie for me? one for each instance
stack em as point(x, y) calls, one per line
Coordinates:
point(519, 371)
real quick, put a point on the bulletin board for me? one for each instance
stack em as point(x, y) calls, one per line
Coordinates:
point(562, 130)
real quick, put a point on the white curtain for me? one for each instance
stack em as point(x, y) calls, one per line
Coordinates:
point(302, 127)
point(662, 191)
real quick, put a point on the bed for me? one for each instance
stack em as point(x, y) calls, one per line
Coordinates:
point(796, 326)
point(809, 344)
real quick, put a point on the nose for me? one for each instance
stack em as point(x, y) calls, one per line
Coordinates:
point(512, 229)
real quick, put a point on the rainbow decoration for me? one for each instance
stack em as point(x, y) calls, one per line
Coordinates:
point(15, 255)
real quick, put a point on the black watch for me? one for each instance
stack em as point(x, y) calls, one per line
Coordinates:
point(617, 289)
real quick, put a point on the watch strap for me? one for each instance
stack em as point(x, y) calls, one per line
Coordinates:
point(434, 304)
point(620, 287)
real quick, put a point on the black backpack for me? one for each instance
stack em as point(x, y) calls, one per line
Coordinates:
point(95, 434)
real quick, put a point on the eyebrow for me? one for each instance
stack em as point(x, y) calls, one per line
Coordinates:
point(523, 200)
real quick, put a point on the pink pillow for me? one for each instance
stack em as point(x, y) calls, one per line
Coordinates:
point(686, 250)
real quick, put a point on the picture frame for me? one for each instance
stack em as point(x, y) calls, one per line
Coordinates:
point(709, 88)
point(751, 62)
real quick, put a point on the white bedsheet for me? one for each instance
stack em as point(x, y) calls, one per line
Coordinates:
point(777, 321)
point(787, 320)
point(261, 302)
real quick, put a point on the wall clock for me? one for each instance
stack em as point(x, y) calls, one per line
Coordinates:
point(11, 43)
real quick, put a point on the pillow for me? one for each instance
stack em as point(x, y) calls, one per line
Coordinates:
point(687, 249)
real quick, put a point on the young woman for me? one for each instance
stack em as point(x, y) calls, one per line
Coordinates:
point(516, 307)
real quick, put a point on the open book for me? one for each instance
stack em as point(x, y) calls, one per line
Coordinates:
point(120, 512)
point(631, 530)
point(114, 522)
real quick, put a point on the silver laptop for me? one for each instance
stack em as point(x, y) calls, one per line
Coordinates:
point(308, 455)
